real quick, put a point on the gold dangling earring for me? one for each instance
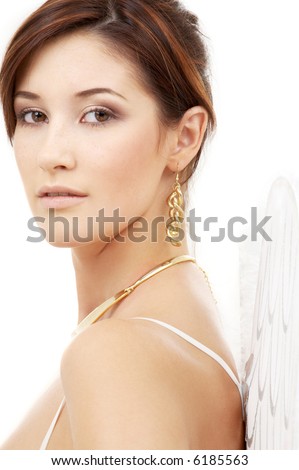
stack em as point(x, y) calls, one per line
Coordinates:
point(176, 213)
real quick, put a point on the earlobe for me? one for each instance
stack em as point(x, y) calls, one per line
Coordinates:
point(190, 134)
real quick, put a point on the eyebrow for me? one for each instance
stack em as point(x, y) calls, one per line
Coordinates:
point(95, 91)
point(81, 94)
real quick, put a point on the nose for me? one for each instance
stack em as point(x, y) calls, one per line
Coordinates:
point(57, 152)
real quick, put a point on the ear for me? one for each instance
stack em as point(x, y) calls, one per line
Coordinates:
point(188, 137)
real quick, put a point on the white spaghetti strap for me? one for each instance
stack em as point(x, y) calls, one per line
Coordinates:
point(183, 335)
point(52, 426)
point(202, 347)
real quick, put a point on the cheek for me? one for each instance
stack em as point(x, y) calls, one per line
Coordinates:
point(128, 152)
point(26, 150)
point(128, 169)
point(24, 155)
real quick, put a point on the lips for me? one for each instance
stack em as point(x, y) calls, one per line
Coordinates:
point(60, 197)
point(59, 191)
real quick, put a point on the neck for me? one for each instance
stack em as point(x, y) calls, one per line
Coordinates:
point(102, 270)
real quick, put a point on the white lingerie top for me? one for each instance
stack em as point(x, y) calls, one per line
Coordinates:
point(183, 335)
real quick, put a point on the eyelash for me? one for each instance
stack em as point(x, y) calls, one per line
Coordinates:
point(20, 117)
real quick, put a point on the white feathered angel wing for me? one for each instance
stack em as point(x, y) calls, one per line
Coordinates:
point(270, 382)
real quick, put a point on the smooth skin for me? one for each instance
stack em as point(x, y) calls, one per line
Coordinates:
point(129, 384)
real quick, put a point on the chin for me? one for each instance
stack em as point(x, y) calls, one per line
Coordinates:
point(64, 234)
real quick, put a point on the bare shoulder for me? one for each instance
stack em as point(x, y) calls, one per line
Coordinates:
point(111, 343)
point(130, 385)
point(120, 387)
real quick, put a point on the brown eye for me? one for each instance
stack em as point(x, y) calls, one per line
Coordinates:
point(97, 116)
point(37, 116)
point(34, 117)
point(101, 116)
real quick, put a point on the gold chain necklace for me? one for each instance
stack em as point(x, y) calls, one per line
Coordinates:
point(101, 309)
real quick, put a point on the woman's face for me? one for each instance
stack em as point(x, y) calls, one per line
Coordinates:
point(86, 140)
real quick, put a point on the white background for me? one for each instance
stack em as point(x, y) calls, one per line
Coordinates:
point(253, 46)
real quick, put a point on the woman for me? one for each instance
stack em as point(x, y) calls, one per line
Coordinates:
point(108, 106)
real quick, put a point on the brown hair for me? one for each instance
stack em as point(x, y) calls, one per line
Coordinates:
point(161, 36)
